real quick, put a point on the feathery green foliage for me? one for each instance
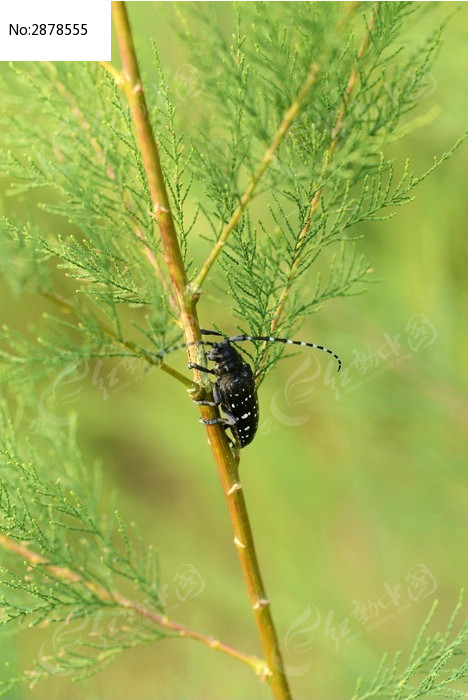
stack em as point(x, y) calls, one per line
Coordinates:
point(49, 505)
point(432, 670)
point(74, 143)
point(255, 79)
point(85, 152)
point(104, 283)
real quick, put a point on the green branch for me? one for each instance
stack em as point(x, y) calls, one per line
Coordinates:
point(226, 463)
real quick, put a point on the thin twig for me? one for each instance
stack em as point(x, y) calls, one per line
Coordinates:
point(281, 132)
point(112, 71)
point(224, 458)
point(314, 204)
point(64, 573)
point(128, 344)
point(80, 118)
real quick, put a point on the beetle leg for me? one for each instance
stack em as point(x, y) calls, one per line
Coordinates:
point(230, 419)
point(227, 420)
point(216, 421)
point(231, 442)
point(193, 365)
point(226, 425)
point(216, 396)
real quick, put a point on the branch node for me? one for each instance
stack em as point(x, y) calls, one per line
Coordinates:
point(159, 209)
point(263, 671)
point(235, 487)
point(194, 292)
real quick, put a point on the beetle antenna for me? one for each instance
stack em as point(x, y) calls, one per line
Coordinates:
point(180, 346)
point(270, 339)
point(203, 331)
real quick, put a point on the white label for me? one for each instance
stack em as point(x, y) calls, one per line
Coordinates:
point(48, 30)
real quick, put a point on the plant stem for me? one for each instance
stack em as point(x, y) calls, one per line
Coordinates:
point(223, 455)
point(281, 132)
point(112, 71)
point(243, 540)
point(66, 574)
point(161, 208)
point(128, 344)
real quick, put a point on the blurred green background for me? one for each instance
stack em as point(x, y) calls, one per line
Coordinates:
point(356, 489)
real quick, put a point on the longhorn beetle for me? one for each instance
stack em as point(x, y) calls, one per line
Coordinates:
point(234, 389)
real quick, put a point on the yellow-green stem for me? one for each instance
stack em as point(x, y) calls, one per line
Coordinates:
point(69, 575)
point(268, 156)
point(224, 458)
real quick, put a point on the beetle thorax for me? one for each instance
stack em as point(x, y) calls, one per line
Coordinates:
point(227, 359)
